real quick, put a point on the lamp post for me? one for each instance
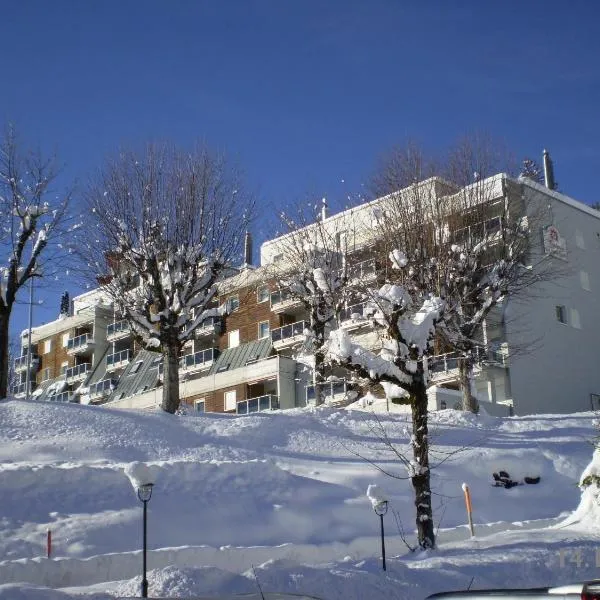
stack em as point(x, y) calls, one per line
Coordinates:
point(380, 509)
point(144, 493)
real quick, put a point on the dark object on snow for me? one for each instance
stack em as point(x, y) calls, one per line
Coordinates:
point(502, 479)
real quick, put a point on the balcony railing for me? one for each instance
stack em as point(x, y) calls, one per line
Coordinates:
point(118, 359)
point(330, 391)
point(282, 300)
point(21, 362)
point(354, 315)
point(80, 343)
point(208, 327)
point(288, 334)
point(102, 388)
point(449, 363)
point(62, 397)
point(21, 389)
point(200, 360)
point(78, 371)
point(118, 330)
point(252, 405)
point(362, 271)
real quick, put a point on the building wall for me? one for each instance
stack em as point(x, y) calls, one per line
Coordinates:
point(557, 367)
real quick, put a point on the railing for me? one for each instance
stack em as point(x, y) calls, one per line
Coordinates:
point(78, 370)
point(280, 296)
point(62, 397)
point(80, 341)
point(281, 334)
point(252, 405)
point(113, 360)
point(353, 312)
point(199, 358)
point(329, 390)
point(209, 325)
point(21, 388)
point(363, 270)
point(102, 387)
point(21, 361)
point(119, 327)
point(442, 363)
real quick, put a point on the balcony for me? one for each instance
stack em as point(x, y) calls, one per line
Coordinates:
point(282, 301)
point(288, 335)
point(20, 390)
point(262, 403)
point(199, 361)
point(78, 372)
point(81, 344)
point(208, 327)
point(119, 330)
point(444, 367)
point(354, 316)
point(363, 271)
point(118, 360)
point(332, 392)
point(20, 363)
point(62, 397)
point(102, 389)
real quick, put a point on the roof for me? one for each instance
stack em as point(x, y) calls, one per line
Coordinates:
point(234, 358)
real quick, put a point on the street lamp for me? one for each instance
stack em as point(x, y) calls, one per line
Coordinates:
point(380, 506)
point(144, 493)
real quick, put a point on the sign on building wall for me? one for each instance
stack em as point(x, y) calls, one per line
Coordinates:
point(554, 243)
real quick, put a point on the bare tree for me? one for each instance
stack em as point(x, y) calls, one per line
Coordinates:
point(168, 225)
point(34, 220)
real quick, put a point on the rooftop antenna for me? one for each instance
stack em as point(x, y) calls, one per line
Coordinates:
point(549, 171)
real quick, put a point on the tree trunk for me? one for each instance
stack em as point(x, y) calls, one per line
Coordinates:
point(4, 322)
point(318, 378)
point(465, 375)
point(170, 393)
point(421, 476)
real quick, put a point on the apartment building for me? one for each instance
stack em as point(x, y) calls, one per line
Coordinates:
point(537, 353)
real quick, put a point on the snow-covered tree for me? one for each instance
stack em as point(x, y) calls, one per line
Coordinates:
point(168, 225)
point(314, 271)
point(532, 170)
point(33, 220)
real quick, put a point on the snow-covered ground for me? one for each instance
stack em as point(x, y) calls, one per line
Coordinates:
point(283, 496)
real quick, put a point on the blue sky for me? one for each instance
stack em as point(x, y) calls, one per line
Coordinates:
point(306, 95)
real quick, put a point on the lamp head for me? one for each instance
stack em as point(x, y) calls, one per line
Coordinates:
point(381, 508)
point(145, 492)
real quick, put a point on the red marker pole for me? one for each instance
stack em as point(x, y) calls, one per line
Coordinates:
point(467, 492)
point(49, 543)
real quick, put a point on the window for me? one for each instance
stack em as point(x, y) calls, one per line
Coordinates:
point(47, 346)
point(63, 368)
point(262, 294)
point(136, 367)
point(263, 330)
point(234, 338)
point(233, 303)
point(585, 280)
point(561, 314)
point(46, 374)
point(575, 318)
point(230, 400)
point(278, 258)
point(65, 340)
point(579, 241)
point(199, 405)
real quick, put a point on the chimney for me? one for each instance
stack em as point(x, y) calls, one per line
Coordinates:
point(324, 209)
point(248, 249)
point(548, 171)
point(65, 305)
